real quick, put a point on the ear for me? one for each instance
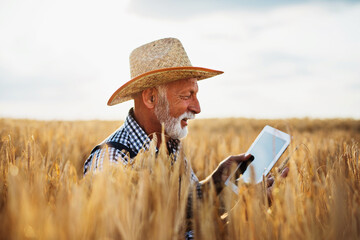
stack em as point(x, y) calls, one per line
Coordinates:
point(149, 97)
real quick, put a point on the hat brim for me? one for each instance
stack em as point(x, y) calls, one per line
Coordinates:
point(158, 77)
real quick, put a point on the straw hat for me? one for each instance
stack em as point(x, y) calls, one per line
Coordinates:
point(155, 63)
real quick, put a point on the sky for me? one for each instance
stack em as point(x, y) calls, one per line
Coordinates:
point(281, 59)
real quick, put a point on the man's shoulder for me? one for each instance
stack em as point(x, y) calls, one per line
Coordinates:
point(123, 144)
point(121, 135)
point(115, 147)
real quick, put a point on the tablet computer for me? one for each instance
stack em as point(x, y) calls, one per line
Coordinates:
point(266, 149)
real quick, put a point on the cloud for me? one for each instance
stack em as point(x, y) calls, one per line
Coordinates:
point(179, 10)
point(64, 59)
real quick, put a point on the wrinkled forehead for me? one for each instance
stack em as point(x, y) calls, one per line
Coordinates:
point(184, 84)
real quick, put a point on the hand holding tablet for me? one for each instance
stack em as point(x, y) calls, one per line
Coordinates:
point(266, 149)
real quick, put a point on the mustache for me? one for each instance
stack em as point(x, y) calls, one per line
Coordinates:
point(188, 115)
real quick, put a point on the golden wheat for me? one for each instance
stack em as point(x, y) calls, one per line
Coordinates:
point(43, 194)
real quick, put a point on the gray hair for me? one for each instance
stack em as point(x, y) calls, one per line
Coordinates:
point(162, 90)
point(162, 105)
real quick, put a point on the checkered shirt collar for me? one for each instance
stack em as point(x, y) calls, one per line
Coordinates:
point(139, 138)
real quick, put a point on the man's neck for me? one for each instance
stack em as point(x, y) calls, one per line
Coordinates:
point(150, 125)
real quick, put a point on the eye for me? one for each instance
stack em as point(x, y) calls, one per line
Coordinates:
point(185, 97)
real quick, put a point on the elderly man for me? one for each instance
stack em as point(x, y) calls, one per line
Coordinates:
point(164, 88)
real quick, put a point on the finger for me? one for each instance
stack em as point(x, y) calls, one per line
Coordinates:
point(242, 157)
point(270, 181)
point(284, 172)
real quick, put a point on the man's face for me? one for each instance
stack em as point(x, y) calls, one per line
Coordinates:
point(176, 105)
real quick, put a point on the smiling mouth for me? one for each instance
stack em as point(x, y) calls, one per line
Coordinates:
point(184, 121)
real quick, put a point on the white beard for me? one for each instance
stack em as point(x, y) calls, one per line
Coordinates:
point(172, 125)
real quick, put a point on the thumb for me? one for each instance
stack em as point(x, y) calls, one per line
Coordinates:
point(243, 157)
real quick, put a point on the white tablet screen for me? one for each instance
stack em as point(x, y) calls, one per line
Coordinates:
point(264, 151)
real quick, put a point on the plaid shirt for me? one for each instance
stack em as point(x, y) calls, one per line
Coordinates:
point(131, 135)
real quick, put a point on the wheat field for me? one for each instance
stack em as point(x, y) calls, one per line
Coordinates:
point(43, 194)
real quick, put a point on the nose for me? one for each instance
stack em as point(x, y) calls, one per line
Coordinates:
point(194, 106)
